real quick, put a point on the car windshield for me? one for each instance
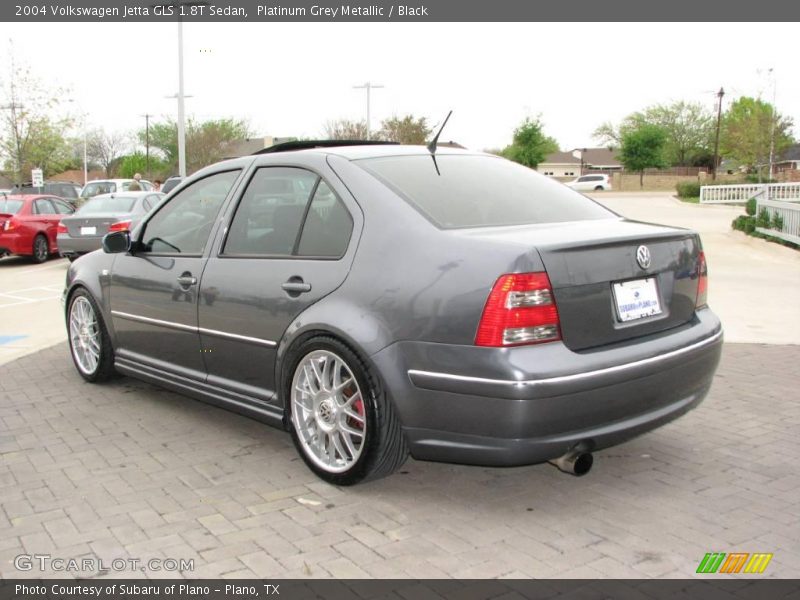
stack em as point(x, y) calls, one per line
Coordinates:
point(9, 207)
point(480, 191)
point(107, 204)
point(100, 187)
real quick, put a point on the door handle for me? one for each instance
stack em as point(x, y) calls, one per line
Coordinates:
point(187, 280)
point(296, 286)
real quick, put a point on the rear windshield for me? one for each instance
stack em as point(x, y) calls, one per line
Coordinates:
point(101, 187)
point(480, 191)
point(10, 207)
point(107, 204)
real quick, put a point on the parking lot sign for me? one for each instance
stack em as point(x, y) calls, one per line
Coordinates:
point(37, 177)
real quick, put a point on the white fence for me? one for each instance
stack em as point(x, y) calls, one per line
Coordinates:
point(789, 215)
point(741, 193)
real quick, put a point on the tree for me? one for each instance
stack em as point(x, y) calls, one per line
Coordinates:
point(106, 148)
point(405, 130)
point(131, 164)
point(32, 135)
point(530, 145)
point(344, 129)
point(689, 128)
point(746, 130)
point(643, 148)
point(207, 142)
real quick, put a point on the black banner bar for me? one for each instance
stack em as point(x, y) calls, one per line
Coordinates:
point(410, 11)
point(745, 588)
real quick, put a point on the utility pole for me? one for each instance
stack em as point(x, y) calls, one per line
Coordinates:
point(720, 94)
point(147, 143)
point(369, 86)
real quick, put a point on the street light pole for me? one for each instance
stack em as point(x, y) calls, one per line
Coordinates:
point(367, 86)
point(772, 123)
point(147, 143)
point(720, 94)
point(181, 125)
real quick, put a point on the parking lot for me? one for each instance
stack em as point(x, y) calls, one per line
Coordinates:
point(127, 470)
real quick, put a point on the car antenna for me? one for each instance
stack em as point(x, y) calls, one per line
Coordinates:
point(432, 145)
point(435, 140)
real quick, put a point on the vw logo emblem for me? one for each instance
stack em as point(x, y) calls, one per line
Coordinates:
point(643, 256)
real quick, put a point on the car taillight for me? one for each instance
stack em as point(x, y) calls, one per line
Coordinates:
point(520, 310)
point(10, 224)
point(120, 226)
point(61, 228)
point(702, 281)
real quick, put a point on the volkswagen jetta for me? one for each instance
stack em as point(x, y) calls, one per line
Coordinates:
point(377, 300)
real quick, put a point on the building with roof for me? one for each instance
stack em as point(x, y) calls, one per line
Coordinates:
point(573, 163)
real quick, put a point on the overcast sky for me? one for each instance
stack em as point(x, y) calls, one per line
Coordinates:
point(288, 79)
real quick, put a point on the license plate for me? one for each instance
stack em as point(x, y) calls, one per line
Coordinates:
point(88, 230)
point(637, 299)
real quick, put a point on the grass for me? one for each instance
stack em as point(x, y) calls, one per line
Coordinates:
point(690, 199)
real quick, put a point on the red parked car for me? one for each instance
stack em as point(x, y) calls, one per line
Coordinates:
point(28, 225)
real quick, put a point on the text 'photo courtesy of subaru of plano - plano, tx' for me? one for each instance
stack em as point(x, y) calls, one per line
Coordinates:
point(377, 300)
point(83, 231)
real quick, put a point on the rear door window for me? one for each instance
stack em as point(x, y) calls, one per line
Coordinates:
point(63, 208)
point(43, 206)
point(328, 225)
point(269, 216)
point(461, 190)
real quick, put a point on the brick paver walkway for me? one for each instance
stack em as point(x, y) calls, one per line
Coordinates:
point(128, 470)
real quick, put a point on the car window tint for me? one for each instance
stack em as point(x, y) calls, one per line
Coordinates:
point(268, 218)
point(149, 202)
point(328, 225)
point(184, 223)
point(63, 208)
point(107, 204)
point(480, 191)
point(10, 207)
point(95, 189)
point(43, 206)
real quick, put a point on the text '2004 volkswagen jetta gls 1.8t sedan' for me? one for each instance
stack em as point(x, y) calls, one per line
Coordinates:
point(376, 300)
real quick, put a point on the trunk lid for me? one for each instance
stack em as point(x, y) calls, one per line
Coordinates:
point(585, 259)
point(95, 225)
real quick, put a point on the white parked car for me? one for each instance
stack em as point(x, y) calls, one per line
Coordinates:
point(589, 183)
point(110, 186)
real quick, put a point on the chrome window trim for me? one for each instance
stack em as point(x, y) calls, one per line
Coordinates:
point(574, 377)
point(192, 329)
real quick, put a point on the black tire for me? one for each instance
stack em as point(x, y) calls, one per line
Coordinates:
point(105, 365)
point(384, 448)
point(41, 249)
point(72, 258)
point(599, 188)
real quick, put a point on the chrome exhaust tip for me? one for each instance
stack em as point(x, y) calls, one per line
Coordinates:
point(575, 463)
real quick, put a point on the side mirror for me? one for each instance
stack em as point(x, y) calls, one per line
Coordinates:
point(117, 242)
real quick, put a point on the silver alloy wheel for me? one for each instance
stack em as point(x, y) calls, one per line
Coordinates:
point(328, 411)
point(84, 335)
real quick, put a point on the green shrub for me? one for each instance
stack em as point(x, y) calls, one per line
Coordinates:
point(744, 223)
point(777, 222)
point(687, 189)
point(751, 207)
point(763, 219)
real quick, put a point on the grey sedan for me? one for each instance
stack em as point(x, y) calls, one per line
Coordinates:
point(83, 231)
point(383, 300)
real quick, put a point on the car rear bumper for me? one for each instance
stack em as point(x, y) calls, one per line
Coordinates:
point(530, 404)
point(71, 246)
point(14, 243)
